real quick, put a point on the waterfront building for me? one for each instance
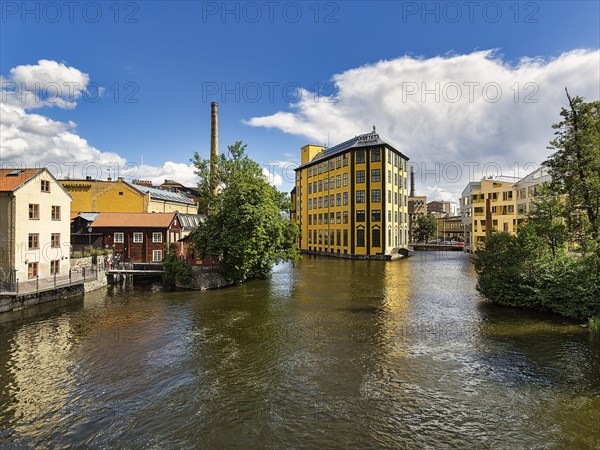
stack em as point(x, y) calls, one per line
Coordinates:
point(90, 195)
point(450, 228)
point(526, 188)
point(137, 237)
point(352, 199)
point(34, 225)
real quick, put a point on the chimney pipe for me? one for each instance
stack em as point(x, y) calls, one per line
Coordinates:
point(412, 181)
point(214, 146)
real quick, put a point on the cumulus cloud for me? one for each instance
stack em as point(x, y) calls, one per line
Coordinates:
point(473, 111)
point(34, 140)
point(273, 177)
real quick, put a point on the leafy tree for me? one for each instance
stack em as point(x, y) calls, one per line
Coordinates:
point(547, 218)
point(245, 227)
point(425, 228)
point(176, 271)
point(575, 166)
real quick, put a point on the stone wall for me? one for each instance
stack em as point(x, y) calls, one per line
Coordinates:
point(203, 279)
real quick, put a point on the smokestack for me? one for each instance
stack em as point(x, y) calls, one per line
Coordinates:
point(412, 181)
point(214, 146)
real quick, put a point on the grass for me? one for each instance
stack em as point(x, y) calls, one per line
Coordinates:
point(594, 324)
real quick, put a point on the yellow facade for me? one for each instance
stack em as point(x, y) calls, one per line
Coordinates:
point(351, 199)
point(120, 196)
point(105, 196)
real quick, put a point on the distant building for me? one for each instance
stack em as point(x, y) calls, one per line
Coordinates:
point(351, 199)
point(137, 237)
point(417, 206)
point(173, 186)
point(450, 228)
point(34, 225)
point(91, 195)
point(440, 207)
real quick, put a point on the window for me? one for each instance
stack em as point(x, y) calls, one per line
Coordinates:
point(34, 212)
point(55, 240)
point(54, 267)
point(338, 162)
point(331, 217)
point(360, 215)
point(320, 218)
point(389, 216)
point(345, 217)
point(339, 237)
point(309, 188)
point(376, 237)
point(55, 212)
point(331, 200)
point(395, 179)
point(326, 166)
point(345, 179)
point(326, 201)
point(320, 185)
point(314, 187)
point(310, 220)
point(32, 270)
point(360, 196)
point(338, 181)
point(320, 166)
point(315, 203)
point(33, 241)
point(338, 218)
point(360, 176)
point(345, 160)
point(360, 156)
point(119, 238)
point(331, 183)
point(389, 176)
point(345, 196)
point(376, 195)
point(389, 196)
point(395, 160)
point(326, 184)
point(360, 238)
point(376, 215)
point(121, 193)
point(325, 218)
point(338, 199)
point(345, 238)
point(321, 202)
point(45, 186)
point(375, 155)
point(138, 238)
point(395, 198)
point(156, 255)
point(157, 237)
point(375, 175)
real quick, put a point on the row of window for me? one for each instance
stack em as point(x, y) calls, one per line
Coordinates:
point(34, 212)
point(138, 238)
point(342, 217)
point(33, 241)
point(337, 181)
point(342, 161)
point(342, 199)
point(324, 237)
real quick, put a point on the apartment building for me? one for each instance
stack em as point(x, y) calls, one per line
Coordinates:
point(34, 225)
point(351, 199)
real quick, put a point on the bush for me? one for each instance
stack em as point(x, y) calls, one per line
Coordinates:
point(519, 271)
point(176, 271)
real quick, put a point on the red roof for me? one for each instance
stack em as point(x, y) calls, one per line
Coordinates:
point(12, 179)
point(134, 220)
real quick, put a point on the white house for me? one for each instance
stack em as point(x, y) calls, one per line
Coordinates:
point(34, 225)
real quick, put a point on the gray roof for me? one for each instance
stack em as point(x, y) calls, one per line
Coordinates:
point(363, 140)
point(162, 194)
point(89, 216)
point(190, 221)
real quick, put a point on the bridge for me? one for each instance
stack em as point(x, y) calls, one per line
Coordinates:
point(136, 269)
point(439, 247)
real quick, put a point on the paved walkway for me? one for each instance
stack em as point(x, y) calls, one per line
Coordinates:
point(49, 283)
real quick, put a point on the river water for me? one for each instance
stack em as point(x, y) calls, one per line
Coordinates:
point(330, 353)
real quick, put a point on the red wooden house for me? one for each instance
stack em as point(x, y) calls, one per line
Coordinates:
point(138, 237)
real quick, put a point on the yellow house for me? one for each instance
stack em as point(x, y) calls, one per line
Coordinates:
point(91, 195)
point(351, 199)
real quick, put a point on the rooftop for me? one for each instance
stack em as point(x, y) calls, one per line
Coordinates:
point(13, 179)
point(133, 220)
point(163, 194)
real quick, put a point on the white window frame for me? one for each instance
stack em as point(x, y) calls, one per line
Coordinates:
point(119, 238)
point(156, 252)
point(155, 235)
point(138, 238)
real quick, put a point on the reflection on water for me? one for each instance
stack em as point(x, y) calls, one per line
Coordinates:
point(331, 353)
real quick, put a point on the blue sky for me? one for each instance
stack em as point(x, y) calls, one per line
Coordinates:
point(166, 56)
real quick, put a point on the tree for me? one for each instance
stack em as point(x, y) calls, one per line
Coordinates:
point(425, 227)
point(575, 166)
point(547, 218)
point(245, 227)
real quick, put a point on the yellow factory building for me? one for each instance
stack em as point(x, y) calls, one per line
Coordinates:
point(91, 195)
point(351, 199)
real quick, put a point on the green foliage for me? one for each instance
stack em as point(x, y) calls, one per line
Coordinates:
point(425, 228)
point(575, 166)
point(90, 251)
point(547, 218)
point(245, 228)
point(594, 324)
point(176, 271)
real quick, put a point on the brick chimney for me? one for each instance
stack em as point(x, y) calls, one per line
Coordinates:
point(214, 146)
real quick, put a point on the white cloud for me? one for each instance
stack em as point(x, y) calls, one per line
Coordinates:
point(35, 140)
point(272, 177)
point(449, 110)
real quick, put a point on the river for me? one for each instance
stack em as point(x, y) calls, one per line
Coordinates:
point(330, 353)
